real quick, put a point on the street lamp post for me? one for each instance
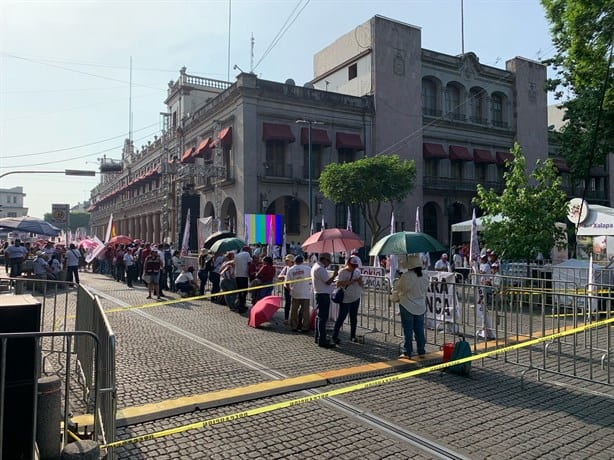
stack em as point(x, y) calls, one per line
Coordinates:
point(67, 172)
point(309, 124)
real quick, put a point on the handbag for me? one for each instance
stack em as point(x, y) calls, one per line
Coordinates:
point(339, 293)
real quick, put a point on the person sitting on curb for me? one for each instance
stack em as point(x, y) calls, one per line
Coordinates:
point(185, 283)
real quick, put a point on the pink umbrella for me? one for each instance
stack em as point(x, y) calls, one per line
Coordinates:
point(86, 243)
point(264, 310)
point(332, 240)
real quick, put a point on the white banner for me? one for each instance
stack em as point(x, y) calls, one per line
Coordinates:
point(442, 306)
point(373, 277)
point(94, 250)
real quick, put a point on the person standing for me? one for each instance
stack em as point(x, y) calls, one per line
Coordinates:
point(228, 281)
point(442, 265)
point(322, 287)
point(205, 266)
point(289, 262)
point(130, 264)
point(411, 288)
point(214, 276)
point(72, 264)
point(16, 255)
point(300, 291)
point(241, 262)
point(151, 273)
point(350, 279)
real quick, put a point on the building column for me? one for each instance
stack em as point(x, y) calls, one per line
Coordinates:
point(149, 225)
point(156, 227)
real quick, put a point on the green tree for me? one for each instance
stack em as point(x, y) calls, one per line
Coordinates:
point(530, 206)
point(368, 183)
point(582, 32)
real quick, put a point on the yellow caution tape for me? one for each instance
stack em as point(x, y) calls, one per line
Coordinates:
point(351, 388)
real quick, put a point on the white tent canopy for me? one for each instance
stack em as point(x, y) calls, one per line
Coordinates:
point(466, 225)
point(599, 221)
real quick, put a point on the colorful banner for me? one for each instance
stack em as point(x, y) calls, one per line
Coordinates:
point(263, 228)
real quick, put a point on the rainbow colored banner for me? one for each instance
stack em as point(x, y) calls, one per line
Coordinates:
point(261, 228)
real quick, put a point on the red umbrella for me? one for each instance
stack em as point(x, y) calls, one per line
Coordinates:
point(264, 310)
point(120, 239)
point(332, 240)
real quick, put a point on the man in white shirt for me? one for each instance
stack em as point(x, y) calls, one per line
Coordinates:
point(322, 287)
point(442, 265)
point(242, 260)
point(300, 291)
point(72, 264)
point(16, 254)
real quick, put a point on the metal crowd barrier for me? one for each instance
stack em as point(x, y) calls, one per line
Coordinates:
point(515, 309)
point(77, 344)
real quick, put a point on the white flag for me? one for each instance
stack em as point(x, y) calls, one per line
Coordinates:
point(393, 262)
point(283, 244)
point(417, 219)
point(185, 244)
point(425, 257)
point(109, 227)
point(348, 225)
point(94, 250)
point(246, 233)
point(323, 224)
point(474, 245)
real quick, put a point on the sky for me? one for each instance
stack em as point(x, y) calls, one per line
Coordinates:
point(65, 91)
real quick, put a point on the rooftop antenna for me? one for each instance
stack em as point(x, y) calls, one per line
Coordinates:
point(229, 21)
point(130, 105)
point(251, 58)
point(462, 27)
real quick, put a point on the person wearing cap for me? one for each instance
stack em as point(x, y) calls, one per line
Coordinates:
point(355, 253)
point(288, 262)
point(185, 282)
point(322, 287)
point(442, 265)
point(350, 279)
point(411, 288)
point(300, 291)
point(41, 268)
point(242, 260)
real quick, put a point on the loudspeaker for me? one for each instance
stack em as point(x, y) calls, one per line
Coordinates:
point(20, 313)
point(191, 202)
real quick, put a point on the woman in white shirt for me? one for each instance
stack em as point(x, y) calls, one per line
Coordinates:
point(411, 288)
point(350, 279)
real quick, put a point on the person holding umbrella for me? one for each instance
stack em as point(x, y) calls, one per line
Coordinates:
point(411, 288)
point(350, 279)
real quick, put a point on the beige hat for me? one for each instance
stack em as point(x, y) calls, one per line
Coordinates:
point(410, 262)
point(289, 257)
point(354, 260)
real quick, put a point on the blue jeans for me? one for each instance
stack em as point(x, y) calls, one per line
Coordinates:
point(344, 309)
point(412, 325)
point(323, 306)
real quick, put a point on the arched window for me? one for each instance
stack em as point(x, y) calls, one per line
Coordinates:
point(453, 103)
point(477, 105)
point(498, 119)
point(429, 97)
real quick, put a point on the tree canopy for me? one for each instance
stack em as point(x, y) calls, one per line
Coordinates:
point(368, 183)
point(530, 206)
point(582, 32)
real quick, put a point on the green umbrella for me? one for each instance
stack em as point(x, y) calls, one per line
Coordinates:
point(227, 244)
point(406, 243)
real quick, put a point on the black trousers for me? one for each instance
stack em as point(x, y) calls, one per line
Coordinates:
point(323, 306)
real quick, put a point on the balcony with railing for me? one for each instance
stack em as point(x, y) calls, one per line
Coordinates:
point(436, 184)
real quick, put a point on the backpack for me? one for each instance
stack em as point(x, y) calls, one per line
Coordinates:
point(462, 349)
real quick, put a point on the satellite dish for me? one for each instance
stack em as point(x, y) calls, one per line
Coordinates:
point(290, 82)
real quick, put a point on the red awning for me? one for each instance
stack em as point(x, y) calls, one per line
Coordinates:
point(560, 164)
point(204, 145)
point(318, 137)
point(349, 141)
point(225, 137)
point(482, 156)
point(459, 153)
point(187, 156)
point(502, 157)
point(275, 132)
point(433, 151)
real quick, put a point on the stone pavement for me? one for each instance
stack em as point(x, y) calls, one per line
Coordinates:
point(189, 348)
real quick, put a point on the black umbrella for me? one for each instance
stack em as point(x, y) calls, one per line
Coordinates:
point(216, 237)
point(29, 225)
